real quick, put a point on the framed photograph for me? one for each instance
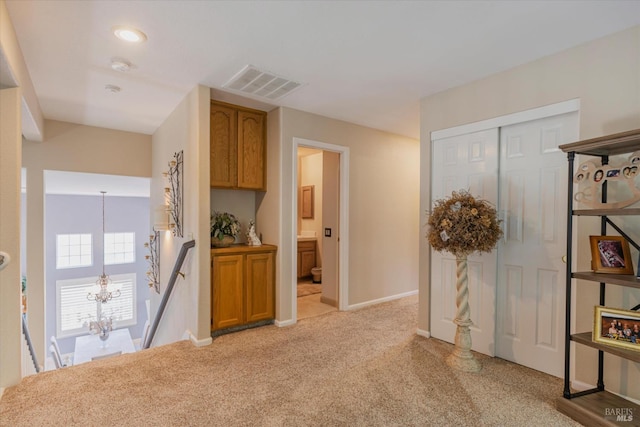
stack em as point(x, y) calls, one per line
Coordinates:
point(610, 254)
point(620, 328)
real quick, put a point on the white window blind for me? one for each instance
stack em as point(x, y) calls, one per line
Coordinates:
point(75, 310)
point(119, 248)
point(73, 250)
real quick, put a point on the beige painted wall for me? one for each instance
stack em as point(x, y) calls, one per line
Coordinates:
point(384, 221)
point(605, 76)
point(241, 203)
point(187, 314)
point(10, 153)
point(75, 148)
point(32, 120)
point(268, 207)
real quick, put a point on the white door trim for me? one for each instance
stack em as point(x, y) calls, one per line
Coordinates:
point(510, 119)
point(343, 242)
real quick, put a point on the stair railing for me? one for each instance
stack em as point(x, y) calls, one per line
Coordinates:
point(25, 331)
point(165, 298)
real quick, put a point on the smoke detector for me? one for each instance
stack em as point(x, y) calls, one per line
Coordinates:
point(112, 88)
point(122, 65)
point(253, 81)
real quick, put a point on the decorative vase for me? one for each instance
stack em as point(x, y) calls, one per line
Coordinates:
point(226, 241)
point(462, 358)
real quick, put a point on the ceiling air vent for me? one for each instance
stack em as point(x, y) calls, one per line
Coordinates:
point(252, 81)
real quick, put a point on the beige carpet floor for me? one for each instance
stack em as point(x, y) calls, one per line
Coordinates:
point(359, 368)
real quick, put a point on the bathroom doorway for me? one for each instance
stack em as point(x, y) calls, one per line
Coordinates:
point(318, 231)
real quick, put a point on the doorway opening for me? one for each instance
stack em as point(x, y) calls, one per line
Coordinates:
point(320, 230)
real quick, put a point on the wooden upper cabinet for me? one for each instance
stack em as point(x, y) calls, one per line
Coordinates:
point(238, 147)
point(251, 150)
point(224, 127)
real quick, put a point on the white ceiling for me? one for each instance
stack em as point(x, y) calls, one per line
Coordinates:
point(366, 62)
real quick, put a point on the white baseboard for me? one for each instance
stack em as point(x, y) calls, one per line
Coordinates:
point(381, 300)
point(195, 341)
point(283, 323)
point(423, 333)
point(328, 301)
point(289, 322)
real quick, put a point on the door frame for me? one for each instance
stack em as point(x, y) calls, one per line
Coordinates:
point(564, 107)
point(343, 234)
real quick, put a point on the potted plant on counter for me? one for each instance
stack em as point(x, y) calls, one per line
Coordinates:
point(224, 229)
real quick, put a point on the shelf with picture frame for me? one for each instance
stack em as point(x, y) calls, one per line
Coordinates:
point(593, 175)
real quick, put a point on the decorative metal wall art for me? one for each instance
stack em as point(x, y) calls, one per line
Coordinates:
point(153, 274)
point(173, 193)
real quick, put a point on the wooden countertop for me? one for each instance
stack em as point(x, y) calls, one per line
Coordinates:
point(243, 248)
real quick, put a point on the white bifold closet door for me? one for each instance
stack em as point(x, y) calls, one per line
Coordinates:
point(516, 293)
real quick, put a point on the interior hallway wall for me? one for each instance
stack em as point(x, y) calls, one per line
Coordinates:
point(384, 200)
point(188, 314)
point(10, 321)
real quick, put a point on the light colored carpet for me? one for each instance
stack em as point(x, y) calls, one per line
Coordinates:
point(359, 368)
point(305, 289)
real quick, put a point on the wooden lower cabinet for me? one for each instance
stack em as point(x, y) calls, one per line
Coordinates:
point(306, 258)
point(243, 285)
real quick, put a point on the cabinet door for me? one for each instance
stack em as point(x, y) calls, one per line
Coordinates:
point(260, 282)
point(227, 304)
point(251, 151)
point(223, 145)
point(307, 261)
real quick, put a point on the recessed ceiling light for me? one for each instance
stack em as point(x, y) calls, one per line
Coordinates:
point(129, 34)
point(112, 88)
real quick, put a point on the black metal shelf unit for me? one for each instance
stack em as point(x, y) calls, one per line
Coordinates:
point(590, 407)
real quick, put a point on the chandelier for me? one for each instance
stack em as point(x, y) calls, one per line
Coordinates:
point(104, 294)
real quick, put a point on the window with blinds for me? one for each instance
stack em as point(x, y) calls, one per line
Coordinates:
point(74, 310)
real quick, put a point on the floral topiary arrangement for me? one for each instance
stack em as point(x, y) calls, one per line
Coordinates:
point(224, 224)
point(463, 224)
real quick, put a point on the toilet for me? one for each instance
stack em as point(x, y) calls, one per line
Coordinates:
point(316, 272)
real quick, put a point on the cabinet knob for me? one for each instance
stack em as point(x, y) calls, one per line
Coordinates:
point(564, 259)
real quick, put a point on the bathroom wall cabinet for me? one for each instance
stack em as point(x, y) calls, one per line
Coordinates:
point(238, 144)
point(306, 257)
point(243, 285)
